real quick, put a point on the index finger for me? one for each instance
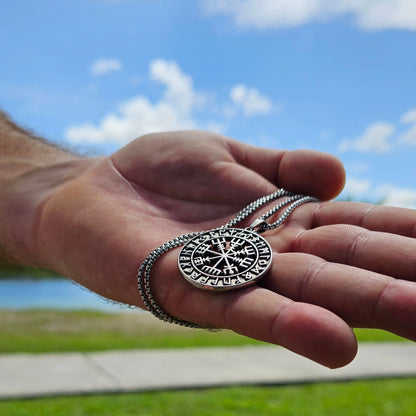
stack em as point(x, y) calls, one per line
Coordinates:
point(393, 220)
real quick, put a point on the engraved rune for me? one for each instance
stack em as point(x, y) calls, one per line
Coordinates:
point(225, 258)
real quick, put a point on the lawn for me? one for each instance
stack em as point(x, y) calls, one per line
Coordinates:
point(373, 398)
point(42, 331)
point(51, 331)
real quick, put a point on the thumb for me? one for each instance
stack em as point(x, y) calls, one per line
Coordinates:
point(304, 171)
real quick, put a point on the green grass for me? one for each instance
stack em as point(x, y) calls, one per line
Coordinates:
point(16, 272)
point(373, 398)
point(58, 331)
point(54, 331)
point(376, 335)
point(41, 331)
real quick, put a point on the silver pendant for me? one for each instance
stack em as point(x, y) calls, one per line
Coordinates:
point(225, 258)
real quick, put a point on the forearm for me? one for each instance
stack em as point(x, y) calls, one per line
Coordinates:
point(30, 168)
point(21, 147)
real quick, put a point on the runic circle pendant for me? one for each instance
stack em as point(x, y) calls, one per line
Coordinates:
point(225, 259)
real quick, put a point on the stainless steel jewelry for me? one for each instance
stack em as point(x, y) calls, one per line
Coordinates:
point(223, 258)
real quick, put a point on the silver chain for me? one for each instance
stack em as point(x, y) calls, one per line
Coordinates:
point(259, 225)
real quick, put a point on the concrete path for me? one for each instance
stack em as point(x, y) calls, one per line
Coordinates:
point(34, 375)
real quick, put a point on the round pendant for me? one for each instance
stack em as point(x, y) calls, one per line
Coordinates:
point(224, 259)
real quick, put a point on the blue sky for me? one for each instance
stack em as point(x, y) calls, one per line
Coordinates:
point(332, 76)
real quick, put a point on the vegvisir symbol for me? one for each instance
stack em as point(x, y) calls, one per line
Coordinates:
point(225, 259)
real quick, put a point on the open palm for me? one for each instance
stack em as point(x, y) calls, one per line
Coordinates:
point(335, 264)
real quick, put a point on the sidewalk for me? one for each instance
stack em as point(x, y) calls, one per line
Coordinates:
point(34, 375)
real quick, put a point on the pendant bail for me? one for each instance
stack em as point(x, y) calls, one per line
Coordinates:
point(259, 225)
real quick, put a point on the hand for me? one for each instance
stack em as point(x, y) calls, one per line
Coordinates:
point(336, 264)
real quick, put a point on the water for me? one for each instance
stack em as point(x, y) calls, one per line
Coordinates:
point(61, 294)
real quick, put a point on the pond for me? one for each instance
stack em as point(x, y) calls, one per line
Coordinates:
point(27, 293)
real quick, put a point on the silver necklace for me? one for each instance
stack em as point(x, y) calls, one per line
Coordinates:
point(223, 258)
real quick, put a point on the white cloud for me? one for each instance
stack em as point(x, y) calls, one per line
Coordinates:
point(379, 137)
point(175, 110)
point(409, 116)
point(139, 115)
point(359, 189)
point(367, 14)
point(375, 139)
point(398, 197)
point(409, 136)
point(104, 66)
point(383, 14)
point(179, 91)
point(356, 188)
point(250, 101)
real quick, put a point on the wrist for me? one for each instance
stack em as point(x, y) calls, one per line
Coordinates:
point(26, 186)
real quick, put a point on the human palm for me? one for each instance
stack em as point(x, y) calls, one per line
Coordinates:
point(329, 271)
